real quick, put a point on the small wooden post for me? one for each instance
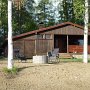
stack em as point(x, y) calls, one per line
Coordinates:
point(36, 44)
point(67, 43)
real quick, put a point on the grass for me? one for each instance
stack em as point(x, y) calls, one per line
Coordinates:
point(13, 71)
point(73, 60)
point(10, 73)
point(2, 57)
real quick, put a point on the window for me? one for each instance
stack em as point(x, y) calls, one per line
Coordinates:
point(76, 42)
point(43, 36)
point(39, 36)
point(48, 36)
point(81, 42)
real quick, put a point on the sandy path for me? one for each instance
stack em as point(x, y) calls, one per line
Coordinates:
point(62, 76)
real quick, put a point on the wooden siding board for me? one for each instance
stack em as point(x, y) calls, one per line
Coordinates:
point(19, 45)
point(43, 46)
point(30, 37)
point(29, 48)
point(68, 30)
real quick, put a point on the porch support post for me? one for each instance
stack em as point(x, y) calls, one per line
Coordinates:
point(67, 43)
point(36, 44)
point(24, 46)
point(52, 44)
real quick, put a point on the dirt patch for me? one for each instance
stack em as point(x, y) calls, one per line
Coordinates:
point(61, 76)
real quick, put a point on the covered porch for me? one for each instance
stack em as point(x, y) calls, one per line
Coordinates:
point(70, 43)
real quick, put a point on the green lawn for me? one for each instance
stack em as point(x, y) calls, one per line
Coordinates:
point(73, 60)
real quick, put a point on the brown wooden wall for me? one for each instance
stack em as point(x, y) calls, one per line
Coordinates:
point(27, 47)
point(19, 45)
point(29, 50)
point(43, 46)
point(68, 30)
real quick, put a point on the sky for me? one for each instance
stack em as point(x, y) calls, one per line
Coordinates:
point(50, 0)
point(36, 1)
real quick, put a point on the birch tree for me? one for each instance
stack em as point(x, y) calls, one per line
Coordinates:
point(86, 18)
point(10, 43)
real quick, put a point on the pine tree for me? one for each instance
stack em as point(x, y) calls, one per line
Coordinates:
point(66, 12)
point(45, 13)
point(23, 20)
point(79, 11)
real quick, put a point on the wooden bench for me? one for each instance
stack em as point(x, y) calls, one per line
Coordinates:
point(65, 55)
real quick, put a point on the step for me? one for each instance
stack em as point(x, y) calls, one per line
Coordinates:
point(65, 55)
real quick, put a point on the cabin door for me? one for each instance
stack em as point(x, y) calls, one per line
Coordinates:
point(60, 41)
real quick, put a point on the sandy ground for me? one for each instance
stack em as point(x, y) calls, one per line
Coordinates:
point(61, 76)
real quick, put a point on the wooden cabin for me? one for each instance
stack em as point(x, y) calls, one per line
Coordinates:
point(68, 37)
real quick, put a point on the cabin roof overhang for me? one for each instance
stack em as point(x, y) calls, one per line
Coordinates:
point(46, 29)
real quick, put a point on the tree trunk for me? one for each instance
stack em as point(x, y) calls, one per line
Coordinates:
point(10, 43)
point(85, 58)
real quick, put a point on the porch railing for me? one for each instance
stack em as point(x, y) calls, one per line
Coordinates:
point(77, 48)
